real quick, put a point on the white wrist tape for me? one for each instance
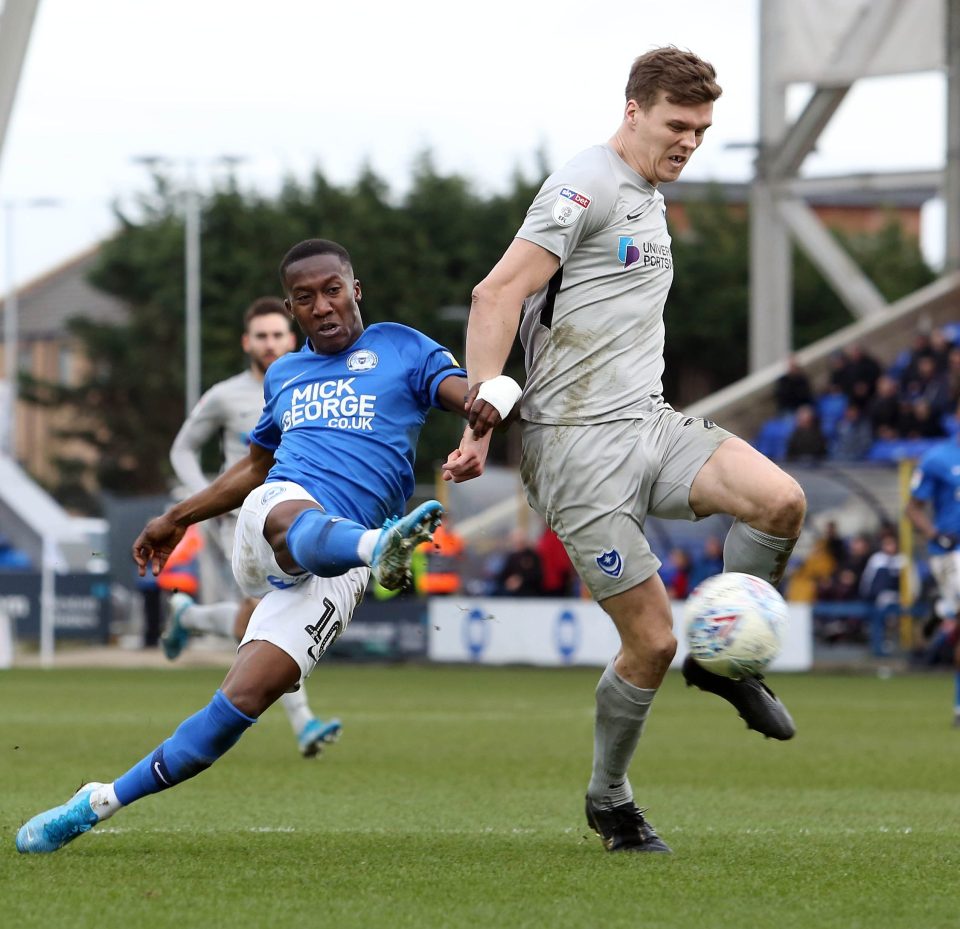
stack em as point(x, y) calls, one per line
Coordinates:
point(500, 392)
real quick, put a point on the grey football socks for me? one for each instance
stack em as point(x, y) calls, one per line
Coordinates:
point(213, 618)
point(749, 551)
point(620, 715)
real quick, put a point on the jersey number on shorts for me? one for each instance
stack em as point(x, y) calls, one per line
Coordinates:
point(323, 637)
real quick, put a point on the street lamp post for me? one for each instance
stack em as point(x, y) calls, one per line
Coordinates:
point(10, 347)
point(11, 321)
point(191, 269)
point(191, 266)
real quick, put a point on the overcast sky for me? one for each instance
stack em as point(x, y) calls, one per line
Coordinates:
point(292, 84)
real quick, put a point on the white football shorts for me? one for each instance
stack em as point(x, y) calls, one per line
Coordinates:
point(302, 614)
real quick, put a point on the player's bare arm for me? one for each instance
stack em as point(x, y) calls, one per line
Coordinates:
point(916, 512)
point(467, 462)
point(495, 316)
point(452, 394)
point(161, 535)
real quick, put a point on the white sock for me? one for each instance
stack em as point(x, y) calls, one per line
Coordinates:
point(217, 618)
point(367, 544)
point(297, 709)
point(104, 801)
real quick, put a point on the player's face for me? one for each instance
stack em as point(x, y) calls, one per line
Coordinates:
point(324, 297)
point(663, 139)
point(267, 338)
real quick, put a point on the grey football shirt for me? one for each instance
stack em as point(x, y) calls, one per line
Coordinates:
point(593, 336)
point(231, 409)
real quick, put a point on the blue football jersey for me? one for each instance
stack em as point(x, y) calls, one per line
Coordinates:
point(345, 426)
point(936, 479)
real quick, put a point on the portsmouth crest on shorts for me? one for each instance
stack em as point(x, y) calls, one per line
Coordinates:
point(362, 360)
point(610, 563)
point(569, 206)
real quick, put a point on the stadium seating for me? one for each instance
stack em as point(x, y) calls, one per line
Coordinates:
point(893, 450)
point(773, 436)
point(830, 409)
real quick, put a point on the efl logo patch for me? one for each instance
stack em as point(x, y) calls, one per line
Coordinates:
point(610, 563)
point(569, 206)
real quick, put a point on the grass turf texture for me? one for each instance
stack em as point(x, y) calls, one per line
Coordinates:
point(455, 799)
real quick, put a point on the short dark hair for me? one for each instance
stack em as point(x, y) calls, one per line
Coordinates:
point(310, 247)
point(684, 78)
point(264, 306)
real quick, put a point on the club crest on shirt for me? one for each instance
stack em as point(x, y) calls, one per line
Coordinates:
point(569, 206)
point(362, 360)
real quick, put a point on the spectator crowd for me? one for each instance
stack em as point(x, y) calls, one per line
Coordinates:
point(864, 405)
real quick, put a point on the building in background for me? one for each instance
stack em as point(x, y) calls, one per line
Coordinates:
point(47, 351)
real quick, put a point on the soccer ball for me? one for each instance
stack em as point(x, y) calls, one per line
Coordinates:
point(735, 624)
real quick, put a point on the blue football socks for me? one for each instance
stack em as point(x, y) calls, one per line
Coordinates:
point(195, 745)
point(324, 545)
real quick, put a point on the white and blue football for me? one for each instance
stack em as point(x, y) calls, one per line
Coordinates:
point(735, 624)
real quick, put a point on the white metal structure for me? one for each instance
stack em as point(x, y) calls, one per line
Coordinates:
point(831, 44)
point(16, 24)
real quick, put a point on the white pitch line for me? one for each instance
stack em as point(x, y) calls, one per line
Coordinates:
point(490, 830)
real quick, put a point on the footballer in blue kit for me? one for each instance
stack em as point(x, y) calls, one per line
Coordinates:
point(355, 417)
point(934, 510)
point(330, 460)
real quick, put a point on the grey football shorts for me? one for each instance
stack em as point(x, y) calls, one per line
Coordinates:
point(595, 486)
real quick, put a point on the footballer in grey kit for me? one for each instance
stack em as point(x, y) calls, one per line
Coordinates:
point(600, 317)
point(589, 271)
point(594, 339)
point(229, 409)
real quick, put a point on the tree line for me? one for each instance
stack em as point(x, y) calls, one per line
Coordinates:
point(418, 257)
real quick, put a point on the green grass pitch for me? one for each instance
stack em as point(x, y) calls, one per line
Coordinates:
point(455, 799)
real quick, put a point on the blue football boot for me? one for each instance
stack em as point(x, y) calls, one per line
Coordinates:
point(317, 733)
point(398, 539)
point(53, 829)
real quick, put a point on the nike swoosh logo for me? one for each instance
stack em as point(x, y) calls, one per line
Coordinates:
point(638, 213)
point(292, 379)
point(156, 768)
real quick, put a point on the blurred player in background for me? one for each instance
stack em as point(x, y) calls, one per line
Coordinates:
point(591, 267)
point(230, 410)
point(331, 457)
point(934, 510)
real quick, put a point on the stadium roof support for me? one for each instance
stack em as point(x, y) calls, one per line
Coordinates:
point(16, 24)
point(838, 268)
point(833, 53)
point(952, 175)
